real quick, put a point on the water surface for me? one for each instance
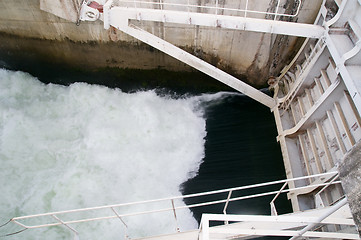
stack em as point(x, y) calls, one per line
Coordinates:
point(79, 145)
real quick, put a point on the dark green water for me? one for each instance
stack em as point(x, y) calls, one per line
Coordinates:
point(240, 148)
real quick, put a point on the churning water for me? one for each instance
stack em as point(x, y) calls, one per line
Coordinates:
point(68, 147)
point(83, 145)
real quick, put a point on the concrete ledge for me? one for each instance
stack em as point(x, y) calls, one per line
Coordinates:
point(350, 174)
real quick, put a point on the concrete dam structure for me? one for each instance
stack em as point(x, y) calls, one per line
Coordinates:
point(48, 30)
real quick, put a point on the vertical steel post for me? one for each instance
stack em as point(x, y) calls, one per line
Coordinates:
point(226, 205)
point(276, 12)
point(273, 207)
point(216, 7)
point(175, 216)
point(121, 219)
point(76, 234)
point(245, 12)
point(205, 227)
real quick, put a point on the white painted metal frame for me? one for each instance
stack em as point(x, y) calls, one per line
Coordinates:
point(309, 62)
point(340, 46)
point(259, 230)
point(198, 64)
point(219, 21)
point(216, 8)
point(272, 203)
point(341, 68)
point(119, 17)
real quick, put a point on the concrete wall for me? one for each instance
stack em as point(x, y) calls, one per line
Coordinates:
point(350, 175)
point(250, 56)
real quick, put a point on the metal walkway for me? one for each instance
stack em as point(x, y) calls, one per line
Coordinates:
point(120, 14)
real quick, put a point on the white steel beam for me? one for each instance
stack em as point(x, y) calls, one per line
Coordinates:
point(170, 49)
point(297, 217)
point(279, 225)
point(270, 232)
point(220, 21)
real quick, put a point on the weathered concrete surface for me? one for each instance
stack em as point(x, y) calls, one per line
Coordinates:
point(350, 174)
point(66, 9)
point(90, 55)
point(254, 55)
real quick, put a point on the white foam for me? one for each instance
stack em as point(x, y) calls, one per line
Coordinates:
point(82, 146)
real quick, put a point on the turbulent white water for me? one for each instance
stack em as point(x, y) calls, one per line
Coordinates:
point(82, 146)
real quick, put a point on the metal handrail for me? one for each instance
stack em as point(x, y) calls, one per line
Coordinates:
point(322, 217)
point(318, 194)
point(216, 7)
point(272, 203)
point(273, 207)
point(17, 220)
point(287, 68)
point(286, 100)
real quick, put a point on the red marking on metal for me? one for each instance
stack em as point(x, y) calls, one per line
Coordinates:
point(96, 5)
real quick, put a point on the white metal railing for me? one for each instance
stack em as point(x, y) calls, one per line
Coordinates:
point(272, 203)
point(317, 196)
point(70, 213)
point(300, 51)
point(216, 9)
point(287, 225)
point(301, 76)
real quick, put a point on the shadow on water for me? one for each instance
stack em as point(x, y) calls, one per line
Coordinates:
point(128, 80)
point(240, 149)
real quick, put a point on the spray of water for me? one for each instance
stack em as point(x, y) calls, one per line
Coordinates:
point(81, 146)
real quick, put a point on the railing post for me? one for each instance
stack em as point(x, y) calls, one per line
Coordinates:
point(216, 7)
point(246, 9)
point(76, 234)
point(205, 227)
point(120, 218)
point(106, 9)
point(175, 216)
point(276, 12)
point(273, 208)
point(319, 201)
point(318, 198)
point(226, 205)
